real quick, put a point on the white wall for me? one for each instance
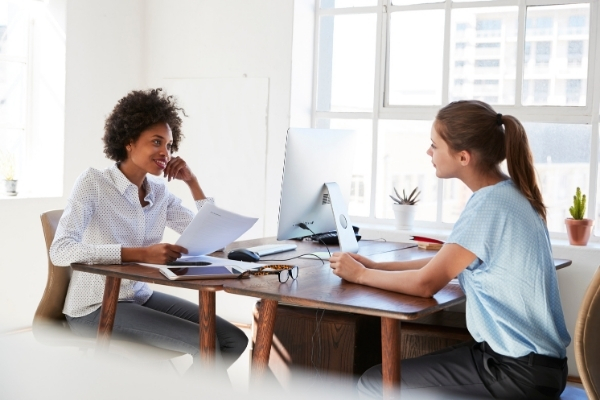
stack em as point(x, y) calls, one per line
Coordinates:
point(213, 44)
point(111, 51)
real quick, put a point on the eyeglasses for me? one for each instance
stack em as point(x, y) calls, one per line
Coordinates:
point(283, 271)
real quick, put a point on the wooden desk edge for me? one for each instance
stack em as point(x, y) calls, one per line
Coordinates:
point(406, 316)
point(197, 284)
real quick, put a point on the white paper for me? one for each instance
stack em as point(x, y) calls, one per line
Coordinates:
point(212, 229)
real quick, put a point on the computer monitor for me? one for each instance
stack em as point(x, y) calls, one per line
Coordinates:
point(317, 175)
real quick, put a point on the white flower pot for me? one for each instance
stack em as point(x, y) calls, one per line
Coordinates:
point(405, 215)
point(11, 187)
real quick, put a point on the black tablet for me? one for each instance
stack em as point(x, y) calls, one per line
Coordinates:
point(201, 272)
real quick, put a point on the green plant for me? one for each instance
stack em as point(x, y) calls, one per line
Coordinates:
point(404, 199)
point(7, 165)
point(579, 203)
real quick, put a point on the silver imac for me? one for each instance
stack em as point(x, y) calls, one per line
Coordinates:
point(317, 175)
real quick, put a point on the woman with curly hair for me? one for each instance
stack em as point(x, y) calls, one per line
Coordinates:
point(500, 250)
point(119, 214)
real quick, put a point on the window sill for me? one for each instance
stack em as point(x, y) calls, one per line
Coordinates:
point(389, 232)
point(28, 195)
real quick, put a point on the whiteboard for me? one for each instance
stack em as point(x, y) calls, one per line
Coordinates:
point(225, 142)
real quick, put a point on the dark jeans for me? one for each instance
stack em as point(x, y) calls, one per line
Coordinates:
point(473, 371)
point(167, 322)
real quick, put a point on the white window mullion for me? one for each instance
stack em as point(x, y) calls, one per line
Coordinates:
point(29, 96)
point(592, 82)
point(379, 94)
point(593, 97)
point(313, 117)
point(342, 115)
point(593, 185)
point(522, 19)
point(446, 57)
point(445, 95)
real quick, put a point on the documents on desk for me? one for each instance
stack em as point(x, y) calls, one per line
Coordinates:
point(212, 229)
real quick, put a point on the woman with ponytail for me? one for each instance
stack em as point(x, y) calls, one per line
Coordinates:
point(500, 251)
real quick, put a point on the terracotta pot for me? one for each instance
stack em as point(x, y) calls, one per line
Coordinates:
point(579, 230)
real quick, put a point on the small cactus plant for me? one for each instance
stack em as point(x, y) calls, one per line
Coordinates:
point(579, 203)
point(411, 199)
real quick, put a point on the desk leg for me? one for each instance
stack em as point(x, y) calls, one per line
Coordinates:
point(264, 338)
point(390, 352)
point(107, 313)
point(207, 327)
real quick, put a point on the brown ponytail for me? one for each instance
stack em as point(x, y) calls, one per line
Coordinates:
point(474, 126)
point(520, 163)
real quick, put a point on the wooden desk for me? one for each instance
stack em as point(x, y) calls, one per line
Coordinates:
point(316, 287)
point(319, 288)
point(206, 288)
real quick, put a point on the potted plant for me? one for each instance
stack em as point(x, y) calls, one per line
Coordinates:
point(579, 228)
point(7, 171)
point(404, 208)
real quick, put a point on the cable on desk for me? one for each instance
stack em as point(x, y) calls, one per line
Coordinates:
point(304, 226)
point(292, 258)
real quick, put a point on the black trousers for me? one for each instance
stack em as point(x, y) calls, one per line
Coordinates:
point(168, 322)
point(473, 371)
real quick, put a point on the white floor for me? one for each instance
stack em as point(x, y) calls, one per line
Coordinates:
point(30, 370)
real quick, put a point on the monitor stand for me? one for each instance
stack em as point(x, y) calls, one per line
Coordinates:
point(346, 236)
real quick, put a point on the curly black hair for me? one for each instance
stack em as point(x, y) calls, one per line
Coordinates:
point(136, 112)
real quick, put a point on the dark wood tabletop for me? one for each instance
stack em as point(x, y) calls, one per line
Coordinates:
point(318, 287)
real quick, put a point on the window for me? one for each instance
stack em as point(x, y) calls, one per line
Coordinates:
point(487, 45)
point(573, 92)
point(14, 67)
point(575, 51)
point(32, 68)
point(542, 52)
point(388, 70)
point(487, 63)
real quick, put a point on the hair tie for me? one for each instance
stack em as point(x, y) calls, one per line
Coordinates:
point(499, 119)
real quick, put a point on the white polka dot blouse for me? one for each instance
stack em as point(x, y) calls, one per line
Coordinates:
point(102, 215)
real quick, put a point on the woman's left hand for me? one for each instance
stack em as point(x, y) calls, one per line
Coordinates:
point(347, 267)
point(177, 168)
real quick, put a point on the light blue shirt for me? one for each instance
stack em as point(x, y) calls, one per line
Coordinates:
point(513, 301)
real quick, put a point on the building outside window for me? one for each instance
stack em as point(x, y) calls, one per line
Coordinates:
point(575, 52)
point(384, 68)
point(542, 52)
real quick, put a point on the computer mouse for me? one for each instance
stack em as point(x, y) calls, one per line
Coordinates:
point(243, 255)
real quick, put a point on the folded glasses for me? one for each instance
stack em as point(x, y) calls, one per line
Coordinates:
point(284, 272)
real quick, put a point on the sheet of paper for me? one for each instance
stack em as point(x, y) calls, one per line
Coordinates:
point(212, 229)
point(213, 261)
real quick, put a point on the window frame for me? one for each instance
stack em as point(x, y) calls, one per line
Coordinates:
point(382, 110)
